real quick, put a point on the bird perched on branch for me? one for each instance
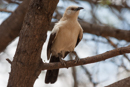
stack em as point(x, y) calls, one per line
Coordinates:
point(65, 36)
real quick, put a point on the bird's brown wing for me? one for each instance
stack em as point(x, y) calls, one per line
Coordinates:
point(80, 36)
point(78, 40)
point(51, 39)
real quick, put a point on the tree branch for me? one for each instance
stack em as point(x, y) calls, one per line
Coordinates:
point(122, 83)
point(9, 61)
point(93, 59)
point(11, 1)
point(106, 31)
point(4, 10)
point(89, 76)
point(11, 27)
point(115, 46)
point(74, 73)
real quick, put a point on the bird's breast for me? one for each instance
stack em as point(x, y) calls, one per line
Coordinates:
point(66, 39)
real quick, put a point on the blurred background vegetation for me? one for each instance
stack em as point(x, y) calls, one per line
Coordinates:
point(111, 13)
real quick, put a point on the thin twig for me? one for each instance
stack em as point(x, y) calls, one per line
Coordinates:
point(9, 61)
point(4, 10)
point(74, 73)
point(89, 76)
point(115, 46)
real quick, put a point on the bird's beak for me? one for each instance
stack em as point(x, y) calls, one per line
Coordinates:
point(79, 8)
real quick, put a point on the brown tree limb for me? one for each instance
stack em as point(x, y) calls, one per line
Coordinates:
point(92, 59)
point(9, 61)
point(105, 31)
point(11, 27)
point(11, 1)
point(5, 10)
point(122, 83)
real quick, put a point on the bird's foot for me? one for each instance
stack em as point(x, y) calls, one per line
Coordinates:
point(62, 61)
point(77, 59)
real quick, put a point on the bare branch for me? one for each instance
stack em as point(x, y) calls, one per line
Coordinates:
point(106, 31)
point(122, 83)
point(89, 76)
point(11, 1)
point(9, 61)
point(4, 10)
point(115, 46)
point(11, 27)
point(74, 73)
point(93, 59)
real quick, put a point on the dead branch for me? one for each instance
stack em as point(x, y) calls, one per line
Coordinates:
point(11, 1)
point(122, 83)
point(105, 31)
point(11, 27)
point(9, 61)
point(4, 10)
point(93, 59)
point(74, 73)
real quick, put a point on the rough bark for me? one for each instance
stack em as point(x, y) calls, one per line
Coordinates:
point(122, 83)
point(11, 27)
point(92, 59)
point(25, 66)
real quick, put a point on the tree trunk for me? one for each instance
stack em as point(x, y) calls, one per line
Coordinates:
point(25, 66)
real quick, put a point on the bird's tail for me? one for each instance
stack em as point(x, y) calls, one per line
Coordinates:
point(51, 75)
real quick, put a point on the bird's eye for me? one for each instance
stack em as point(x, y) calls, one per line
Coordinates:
point(72, 8)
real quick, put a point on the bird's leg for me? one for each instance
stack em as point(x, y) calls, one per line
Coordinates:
point(77, 59)
point(62, 61)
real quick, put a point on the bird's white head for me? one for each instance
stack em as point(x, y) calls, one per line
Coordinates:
point(72, 11)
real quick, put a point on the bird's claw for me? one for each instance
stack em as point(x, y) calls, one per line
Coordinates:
point(77, 59)
point(62, 62)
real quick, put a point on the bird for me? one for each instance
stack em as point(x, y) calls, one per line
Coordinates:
point(65, 36)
